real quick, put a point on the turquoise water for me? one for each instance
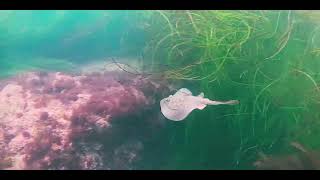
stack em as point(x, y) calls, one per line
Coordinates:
point(64, 34)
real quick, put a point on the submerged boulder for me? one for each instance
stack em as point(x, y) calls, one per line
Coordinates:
point(61, 121)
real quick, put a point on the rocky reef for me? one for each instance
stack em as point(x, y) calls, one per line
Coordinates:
point(52, 120)
point(304, 159)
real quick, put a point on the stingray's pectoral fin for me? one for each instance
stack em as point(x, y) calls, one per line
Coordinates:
point(201, 95)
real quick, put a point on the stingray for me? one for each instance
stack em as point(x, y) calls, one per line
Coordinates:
point(178, 106)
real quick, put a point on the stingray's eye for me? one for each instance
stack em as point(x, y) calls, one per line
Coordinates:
point(167, 100)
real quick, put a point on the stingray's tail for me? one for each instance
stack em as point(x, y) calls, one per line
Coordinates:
point(231, 102)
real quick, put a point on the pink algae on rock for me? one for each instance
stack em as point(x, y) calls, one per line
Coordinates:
point(61, 121)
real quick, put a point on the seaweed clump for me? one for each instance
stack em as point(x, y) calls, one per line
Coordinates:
point(266, 59)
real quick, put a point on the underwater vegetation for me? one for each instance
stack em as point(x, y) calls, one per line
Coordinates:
point(266, 59)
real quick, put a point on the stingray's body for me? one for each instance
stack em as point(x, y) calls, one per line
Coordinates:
point(178, 106)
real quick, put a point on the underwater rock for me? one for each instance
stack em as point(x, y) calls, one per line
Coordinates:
point(303, 160)
point(60, 121)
